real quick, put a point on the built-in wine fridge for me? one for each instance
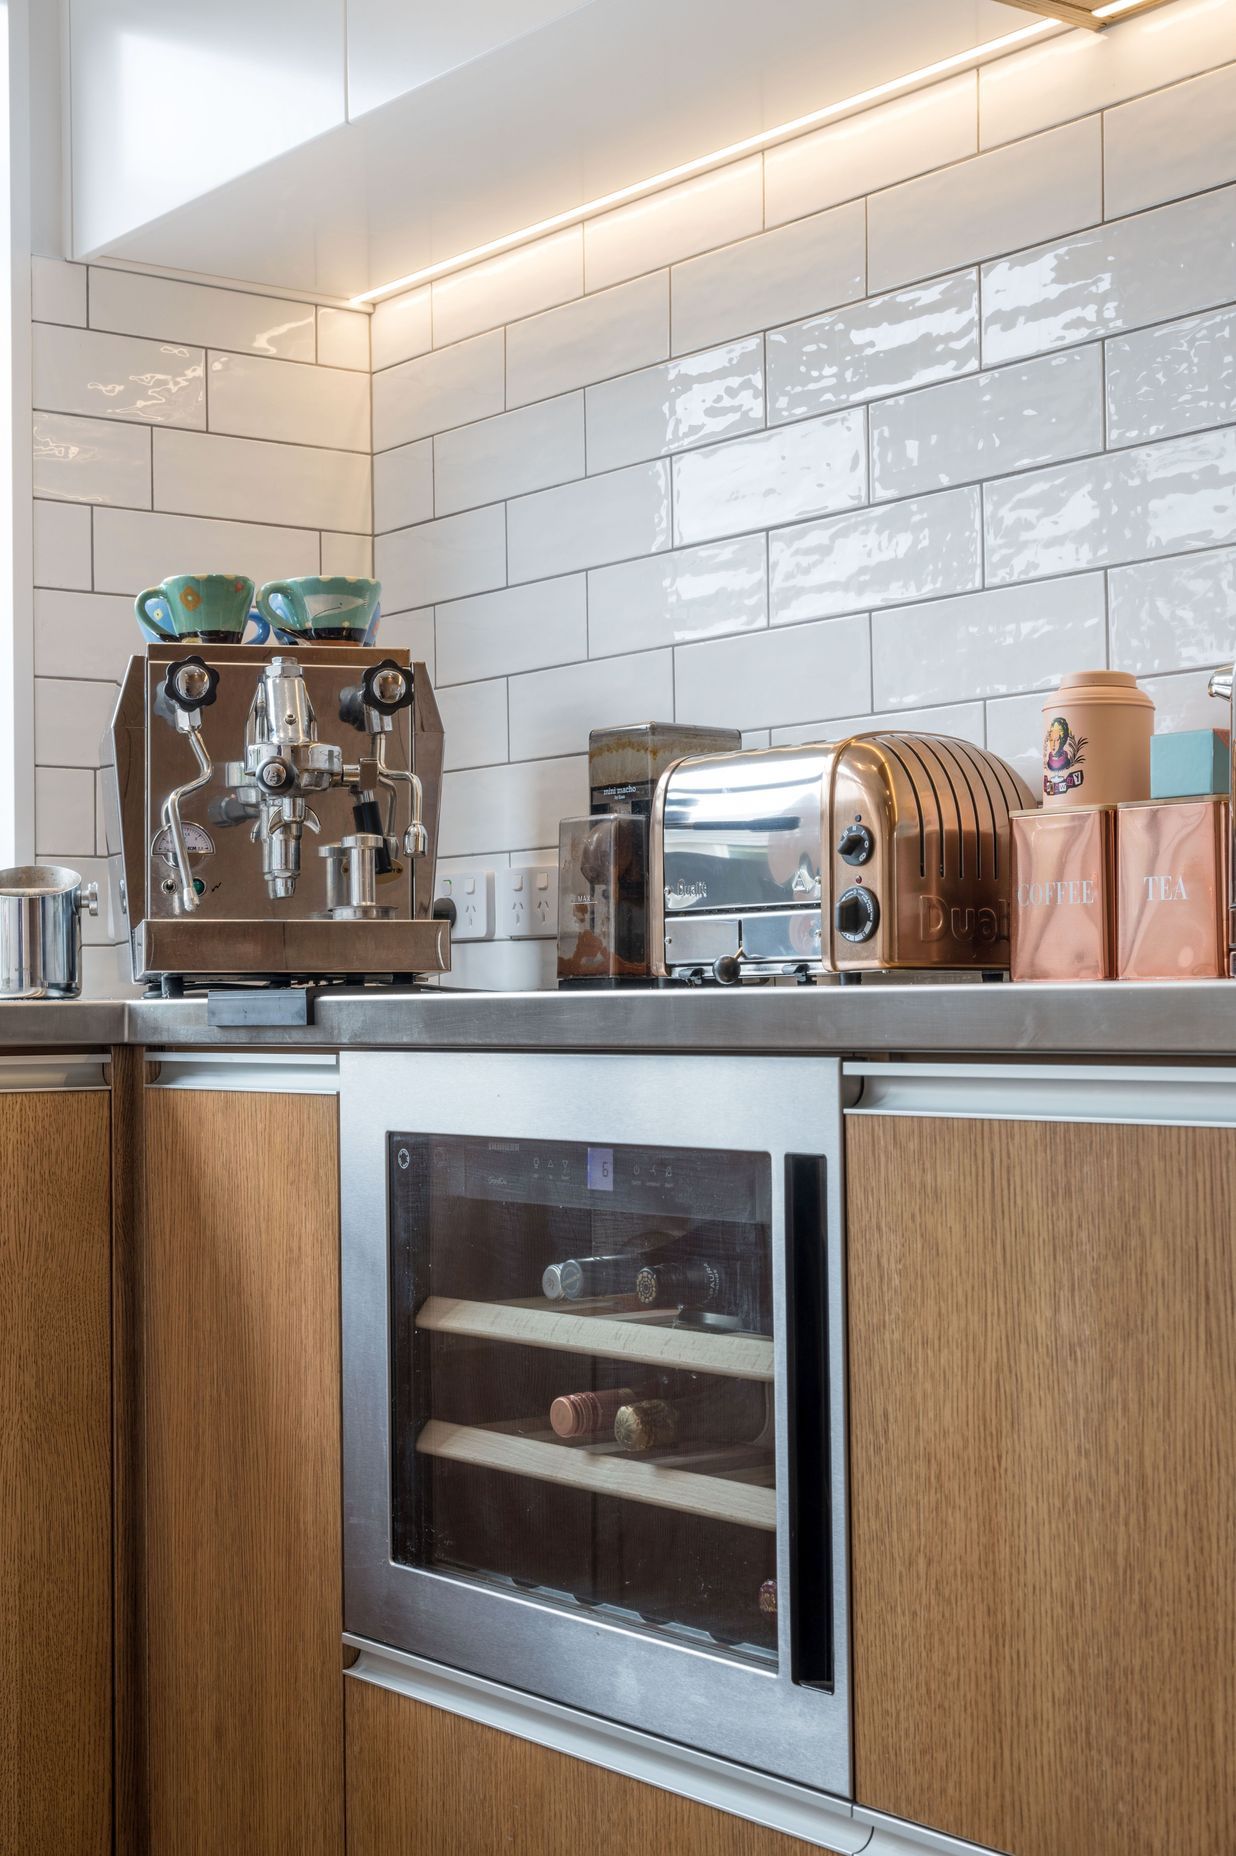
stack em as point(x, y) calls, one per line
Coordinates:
point(594, 1388)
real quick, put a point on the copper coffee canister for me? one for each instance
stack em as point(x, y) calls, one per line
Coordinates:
point(1063, 913)
point(1171, 889)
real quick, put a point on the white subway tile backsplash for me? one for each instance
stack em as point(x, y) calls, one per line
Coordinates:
point(519, 628)
point(696, 215)
point(1179, 377)
point(451, 386)
point(1149, 268)
point(442, 560)
point(92, 634)
point(988, 644)
point(1158, 499)
point(402, 326)
point(134, 549)
point(764, 678)
point(1173, 613)
point(1015, 733)
point(91, 460)
point(70, 716)
point(552, 711)
point(678, 598)
point(718, 394)
point(924, 548)
point(129, 303)
point(62, 546)
point(608, 518)
point(502, 289)
point(58, 291)
point(347, 554)
point(1037, 412)
point(250, 480)
point(964, 719)
point(777, 276)
point(299, 405)
point(528, 449)
point(117, 377)
point(513, 808)
point(1183, 700)
point(63, 811)
point(412, 631)
point(886, 345)
point(592, 339)
point(873, 150)
point(771, 477)
point(343, 338)
point(403, 485)
point(1171, 143)
point(474, 721)
point(996, 202)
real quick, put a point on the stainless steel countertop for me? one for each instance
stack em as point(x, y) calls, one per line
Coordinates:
point(1177, 1019)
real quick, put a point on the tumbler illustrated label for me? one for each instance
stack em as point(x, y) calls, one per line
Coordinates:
point(1063, 754)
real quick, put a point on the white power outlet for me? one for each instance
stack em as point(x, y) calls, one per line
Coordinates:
point(472, 892)
point(528, 901)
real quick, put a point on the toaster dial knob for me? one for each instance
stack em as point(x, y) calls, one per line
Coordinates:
point(858, 915)
point(855, 845)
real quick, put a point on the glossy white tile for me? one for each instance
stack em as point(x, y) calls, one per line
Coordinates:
point(875, 149)
point(1171, 143)
point(767, 678)
point(94, 634)
point(347, 554)
point(519, 628)
point(401, 327)
point(132, 303)
point(512, 808)
point(288, 401)
point(502, 289)
point(964, 719)
point(718, 394)
point(134, 549)
point(343, 338)
point(414, 632)
point(772, 477)
point(451, 386)
point(552, 711)
point(117, 377)
point(1183, 701)
point(250, 480)
point(403, 485)
point(70, 716)
point(62, 547)
point(927, 547)
point(1130, 505)
point(63, 811)
point(106, 974)
point(609, 518)
point(996, 202)
point(1015, 733)
point(679, 598)
point(58, 291)
point(987, 644)
point(442, 560)
point(528, 449)
point(888, 344)
point(474, 720)
point(696, 215)
point(91, 460)
point(1173, 613)
point(1178, 377)
point(774, 277)
point(1035, 412)
point(1150, 268)
point(598, 336)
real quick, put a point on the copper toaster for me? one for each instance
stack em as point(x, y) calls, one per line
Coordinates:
point(878, 852)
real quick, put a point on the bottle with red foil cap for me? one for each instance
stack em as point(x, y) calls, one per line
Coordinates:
point(587, 1414)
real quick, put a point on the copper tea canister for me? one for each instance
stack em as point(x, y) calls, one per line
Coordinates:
point(1171, 889)
point(1063, 894)
point(1096, 741)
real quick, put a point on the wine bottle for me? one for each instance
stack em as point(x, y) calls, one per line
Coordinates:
point(587, 1414)
point(611, 1273)
point(725, 1412)
point(675, 1282)
point(768, 1598)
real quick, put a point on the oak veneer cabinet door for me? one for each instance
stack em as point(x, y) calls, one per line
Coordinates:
point(244, 1711)
point(422, 1782)
point(1043, 1482)
point(55, 1491)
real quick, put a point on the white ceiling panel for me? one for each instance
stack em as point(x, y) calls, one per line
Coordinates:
point(398, 45)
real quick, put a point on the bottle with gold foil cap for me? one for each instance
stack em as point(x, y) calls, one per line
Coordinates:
point(1096, 740)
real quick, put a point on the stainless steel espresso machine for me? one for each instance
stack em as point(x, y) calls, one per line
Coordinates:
point(272, 814)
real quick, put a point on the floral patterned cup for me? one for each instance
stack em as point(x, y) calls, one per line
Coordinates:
point(201, 608)
point(333, 608)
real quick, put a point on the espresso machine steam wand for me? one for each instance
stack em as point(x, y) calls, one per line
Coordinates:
point(188, 688)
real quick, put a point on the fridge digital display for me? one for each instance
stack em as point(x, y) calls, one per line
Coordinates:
point(601, 1169)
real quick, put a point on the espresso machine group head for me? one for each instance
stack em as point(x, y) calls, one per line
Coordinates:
point(217, 780)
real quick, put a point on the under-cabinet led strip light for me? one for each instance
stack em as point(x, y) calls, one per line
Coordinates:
point(720, 157)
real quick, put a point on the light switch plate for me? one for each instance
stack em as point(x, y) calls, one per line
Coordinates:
point(472, 892)
point(528, 902)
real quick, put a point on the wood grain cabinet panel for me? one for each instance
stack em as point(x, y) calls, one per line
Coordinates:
point(422, 1782)
point(244, 1715)
point(55, 1486)
point(1043, 1482)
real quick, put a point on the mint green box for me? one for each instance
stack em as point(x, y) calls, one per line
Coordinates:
point(1196, 761)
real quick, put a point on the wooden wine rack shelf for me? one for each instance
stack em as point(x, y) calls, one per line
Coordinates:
point(646, 1340)
point(715, 1497)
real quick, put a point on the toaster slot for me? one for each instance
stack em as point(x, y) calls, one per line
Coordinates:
point(979, 784)
point(888, 747)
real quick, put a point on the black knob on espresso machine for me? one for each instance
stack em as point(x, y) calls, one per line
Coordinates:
point(386, 688)
point(190, 683)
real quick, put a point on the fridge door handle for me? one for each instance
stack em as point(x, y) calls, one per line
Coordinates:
point(810, 1505)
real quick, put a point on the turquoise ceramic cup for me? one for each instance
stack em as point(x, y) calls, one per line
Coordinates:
point(331, 608)
point(199, 609)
